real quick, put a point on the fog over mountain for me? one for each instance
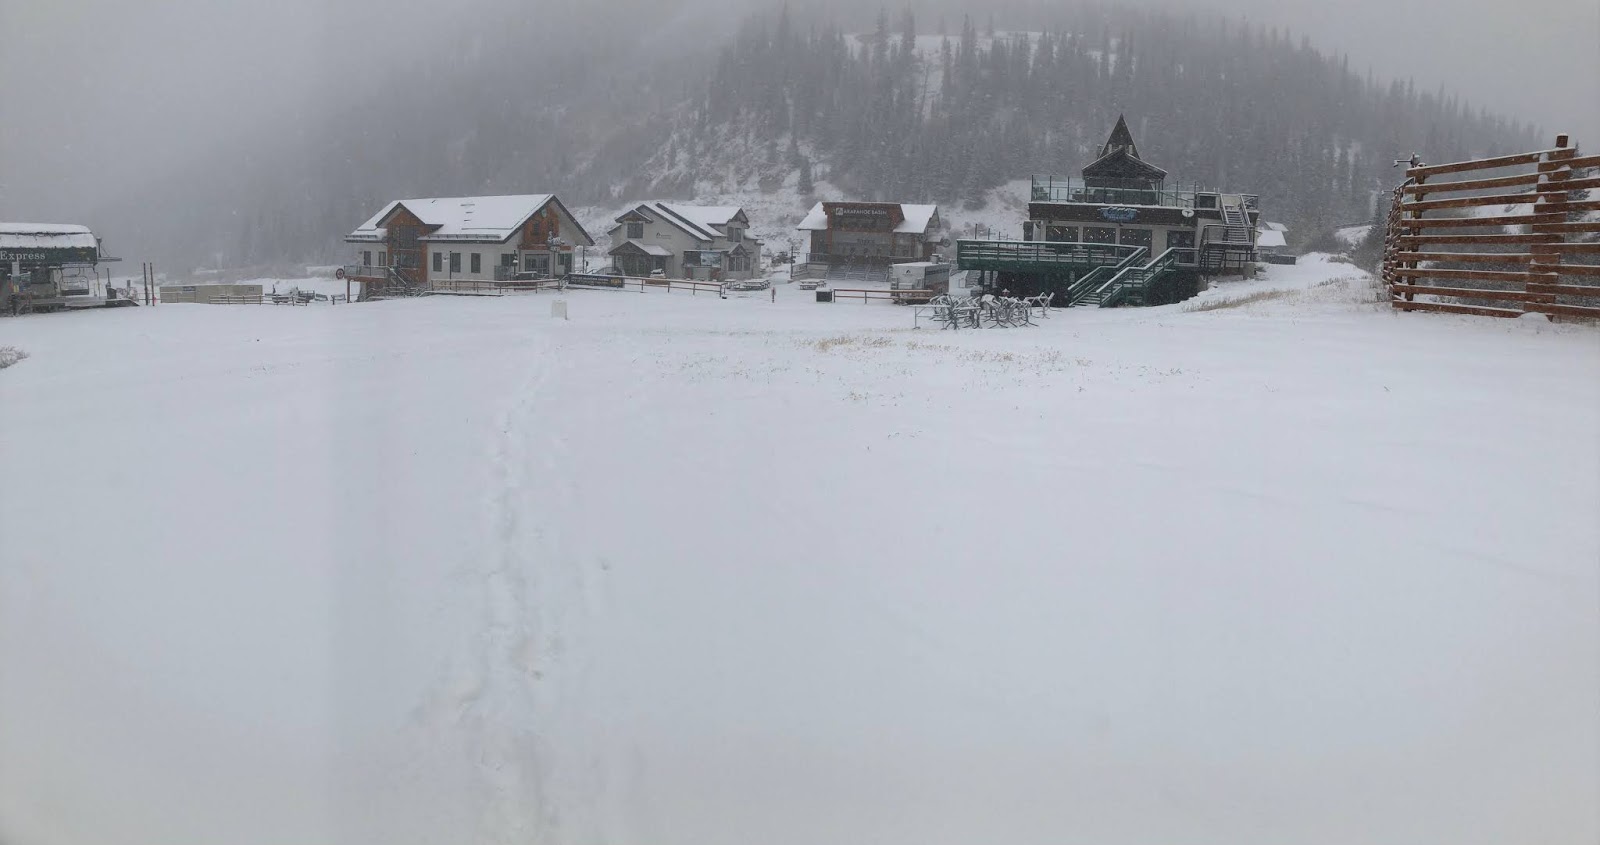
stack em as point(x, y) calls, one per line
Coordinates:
point(229, 133)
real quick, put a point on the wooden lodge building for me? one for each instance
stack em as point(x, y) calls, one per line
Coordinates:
point(709, 243)
point(1119, 219)
point(417, 244)
point(872, 234)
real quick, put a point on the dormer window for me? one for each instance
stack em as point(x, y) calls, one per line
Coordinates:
point(635, 231)
point(735, 234)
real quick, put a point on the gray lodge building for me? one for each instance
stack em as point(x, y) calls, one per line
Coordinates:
point(1123, 199)
point(1118, 235)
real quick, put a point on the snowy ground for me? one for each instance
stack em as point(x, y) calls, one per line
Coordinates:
point(1352, 236)
point(687, 570)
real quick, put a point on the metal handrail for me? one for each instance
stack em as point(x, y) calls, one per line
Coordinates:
point(1092, 282)
point(366, 271)
point(1136, 278)
point(1072, 189)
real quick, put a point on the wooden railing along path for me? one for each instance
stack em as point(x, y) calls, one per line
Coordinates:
point(899, 297)
point(1439, 255)
point(644, 284)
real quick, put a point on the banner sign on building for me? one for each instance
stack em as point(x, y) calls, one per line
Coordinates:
point(869, 218)
point(67, 255)
point(1119, 214)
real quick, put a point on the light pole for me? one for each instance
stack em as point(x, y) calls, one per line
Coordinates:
point(556, 243)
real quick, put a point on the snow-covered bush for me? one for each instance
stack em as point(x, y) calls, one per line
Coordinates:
point(10, 355)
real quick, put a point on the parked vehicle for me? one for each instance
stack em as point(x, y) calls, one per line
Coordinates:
point(920, 275)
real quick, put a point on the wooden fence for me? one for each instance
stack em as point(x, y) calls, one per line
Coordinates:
point(899, 297)
point(484, 287)
point(1537, 258)
point(644, 284)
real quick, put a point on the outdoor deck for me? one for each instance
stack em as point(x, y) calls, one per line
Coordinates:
point(1070, 189)
point(1034, 256)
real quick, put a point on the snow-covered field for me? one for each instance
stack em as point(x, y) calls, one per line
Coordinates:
point(684, 570)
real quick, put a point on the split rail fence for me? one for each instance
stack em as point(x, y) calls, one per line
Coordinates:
point(1456, 245)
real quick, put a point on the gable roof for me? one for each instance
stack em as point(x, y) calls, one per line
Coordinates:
point(713, 218)
point(1120, 138)
point(1119, 158)
point(915, 219)
point(1270, 238)
point(701, 222)
point(648, 249)
point(481, 219)
point(1122, 164)
point(46, 236)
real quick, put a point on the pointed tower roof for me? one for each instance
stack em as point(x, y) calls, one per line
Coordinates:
point(1120, 138)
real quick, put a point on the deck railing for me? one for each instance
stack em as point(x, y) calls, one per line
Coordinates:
point(1012, 255)
point(366, 271)
point(1072, 189)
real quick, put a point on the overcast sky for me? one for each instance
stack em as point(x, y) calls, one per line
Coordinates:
point(100, 96)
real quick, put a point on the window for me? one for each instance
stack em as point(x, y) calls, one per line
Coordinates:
point(508, 259)
point(635, 230)
point(1182, 239)
point(1099, 235)
point(477, 263)
point(383, 259)
point(1061, 233)
point(455, 262)
point(735, 235)
point(438, 262)
point(366, 258)
point(536, 263)
point(633, 265)
point(1136, 237)
point(1027, 230)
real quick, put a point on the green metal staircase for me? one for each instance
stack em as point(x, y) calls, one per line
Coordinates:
point(1126, 285)
point(1086, 290)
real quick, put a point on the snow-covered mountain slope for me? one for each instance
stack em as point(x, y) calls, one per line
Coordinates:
point(690, 570)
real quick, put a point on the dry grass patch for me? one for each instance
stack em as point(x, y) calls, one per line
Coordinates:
point(828, 344)
point(1237, 301)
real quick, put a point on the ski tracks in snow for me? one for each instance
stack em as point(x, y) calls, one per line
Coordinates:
point(508, 679)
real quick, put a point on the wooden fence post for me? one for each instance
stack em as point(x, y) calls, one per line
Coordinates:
point(1545, 267)
point(1412, 265)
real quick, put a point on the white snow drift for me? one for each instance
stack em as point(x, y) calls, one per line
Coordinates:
point(684, 570)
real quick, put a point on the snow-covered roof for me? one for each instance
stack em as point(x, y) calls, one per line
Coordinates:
point(1270, 238)
point(46, 236)
point(648, 249)
point(816, 220)
point(1276, 227)
point(483, 219)
point(916, 220)
point(708, 218)
point(701, 222)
